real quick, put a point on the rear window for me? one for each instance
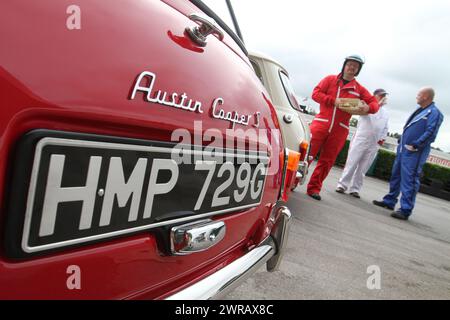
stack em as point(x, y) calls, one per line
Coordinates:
point(257, 71)
point(289, 90)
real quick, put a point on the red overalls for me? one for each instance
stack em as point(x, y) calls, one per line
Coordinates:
point(329, 128)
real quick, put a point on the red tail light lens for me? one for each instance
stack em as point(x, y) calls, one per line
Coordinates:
point(304, 150)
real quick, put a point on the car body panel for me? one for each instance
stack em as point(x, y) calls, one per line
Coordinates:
point(81, 81)
point(294, 129)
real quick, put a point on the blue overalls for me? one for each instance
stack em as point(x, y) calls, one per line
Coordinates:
point(420, 132)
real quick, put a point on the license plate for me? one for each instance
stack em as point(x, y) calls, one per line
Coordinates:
point(82, 191)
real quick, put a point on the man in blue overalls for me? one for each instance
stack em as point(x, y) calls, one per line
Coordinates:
point(413, 149)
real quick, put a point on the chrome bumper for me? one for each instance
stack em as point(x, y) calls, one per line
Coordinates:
point(302, 172)
point(228, 278)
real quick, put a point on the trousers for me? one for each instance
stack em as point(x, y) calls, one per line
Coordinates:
point(361, 154)
point(405, 178)
point(329, 143)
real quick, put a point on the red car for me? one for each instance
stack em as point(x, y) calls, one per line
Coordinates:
point(141, 157)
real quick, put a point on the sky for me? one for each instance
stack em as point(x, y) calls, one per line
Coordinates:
point(406, 46)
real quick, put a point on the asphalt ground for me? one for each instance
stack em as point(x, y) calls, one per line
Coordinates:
point(347, 248)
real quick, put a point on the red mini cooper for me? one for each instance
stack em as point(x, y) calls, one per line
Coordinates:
point(140, 156)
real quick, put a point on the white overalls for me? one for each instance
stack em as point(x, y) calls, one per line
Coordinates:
point(363, 149)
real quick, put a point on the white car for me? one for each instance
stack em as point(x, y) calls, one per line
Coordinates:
point(295, 132)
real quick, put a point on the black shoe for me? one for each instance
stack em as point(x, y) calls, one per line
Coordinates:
point(382, 204)
point(399, 215)
point(340, 190)
point(315, 196)
point(355, 194)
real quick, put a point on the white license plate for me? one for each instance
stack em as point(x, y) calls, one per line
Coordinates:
point(82, 191)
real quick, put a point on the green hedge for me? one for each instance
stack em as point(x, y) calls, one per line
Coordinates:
point(383, 166)
point(342, 156)
point(385, 160)
point(437, 172)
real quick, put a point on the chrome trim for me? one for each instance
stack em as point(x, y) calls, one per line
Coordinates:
point(320, 119)
point(160, 96)
point(181, 101)
point(303, 171)
point(228, 278)
point(206, 27)
point(280, 234)
point(233, 116)
point(270, 251)
point(196, 236)
point(288, 118)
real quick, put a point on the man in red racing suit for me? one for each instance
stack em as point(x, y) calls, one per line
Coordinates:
point(329, 128)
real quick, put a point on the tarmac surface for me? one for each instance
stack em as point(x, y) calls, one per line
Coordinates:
point(347, 248)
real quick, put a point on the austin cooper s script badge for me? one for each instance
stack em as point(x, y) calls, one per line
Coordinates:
point(182, 101)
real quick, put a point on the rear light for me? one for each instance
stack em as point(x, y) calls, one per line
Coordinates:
point(291, 160)
point(304, 150)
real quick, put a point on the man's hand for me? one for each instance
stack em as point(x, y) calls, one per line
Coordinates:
point(362, 109)
point(410, 148)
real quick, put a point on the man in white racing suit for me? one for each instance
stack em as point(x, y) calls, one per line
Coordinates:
point(370, 135)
